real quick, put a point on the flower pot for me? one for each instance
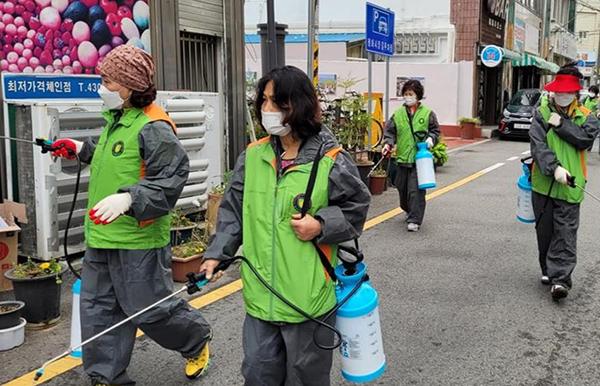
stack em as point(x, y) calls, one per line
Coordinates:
point(377, 185)
point(467, 130)
point(41, 296)
point(12, 337)
point(364, 170)
point(181, 266)
point(181, 235)
point(10, 314)
point(212, 212)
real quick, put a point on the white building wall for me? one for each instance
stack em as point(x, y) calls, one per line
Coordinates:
point(448, 87)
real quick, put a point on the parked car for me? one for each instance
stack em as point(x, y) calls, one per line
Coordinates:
point(518, 114)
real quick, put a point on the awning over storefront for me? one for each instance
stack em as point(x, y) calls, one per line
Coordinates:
point(511, 55)
point(530, 60)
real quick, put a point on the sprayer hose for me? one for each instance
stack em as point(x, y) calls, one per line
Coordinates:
point(320, 323)
point(66, 239)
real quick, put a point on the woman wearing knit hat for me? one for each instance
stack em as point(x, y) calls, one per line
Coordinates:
point(561, 132)
point(138, 170)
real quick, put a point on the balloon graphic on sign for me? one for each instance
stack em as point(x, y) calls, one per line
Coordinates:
point(66, 36)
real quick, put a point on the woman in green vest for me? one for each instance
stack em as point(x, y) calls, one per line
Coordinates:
point(591, 101)
point(560, 133)
point(138, 170)
point(410, 124)
point(261, 210)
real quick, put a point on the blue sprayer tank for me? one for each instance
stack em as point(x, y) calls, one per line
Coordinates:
point(425, 170)
point(357, 320)
point(524, 204)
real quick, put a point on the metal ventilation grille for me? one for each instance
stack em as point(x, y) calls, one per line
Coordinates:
point(199, 61)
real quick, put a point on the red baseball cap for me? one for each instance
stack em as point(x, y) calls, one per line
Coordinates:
point(564, 83)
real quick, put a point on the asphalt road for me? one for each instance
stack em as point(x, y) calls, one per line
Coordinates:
point(461, 301)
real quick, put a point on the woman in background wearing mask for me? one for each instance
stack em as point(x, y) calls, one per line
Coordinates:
point(138, 170)
point(261, 209)
point(560, 134)
point(411, 123)
point(591, 101)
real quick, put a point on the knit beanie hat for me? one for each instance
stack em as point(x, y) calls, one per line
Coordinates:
point(129, 66)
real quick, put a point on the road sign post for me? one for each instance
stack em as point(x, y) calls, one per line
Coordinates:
point(379, 40)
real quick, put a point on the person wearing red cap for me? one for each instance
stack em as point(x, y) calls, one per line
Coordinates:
point(138, 169)
point(561, 132)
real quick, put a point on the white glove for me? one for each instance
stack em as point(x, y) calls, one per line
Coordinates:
point(555, 119)
point(429, 142)
point(387, 149)
point(109, 209)
point(561, 175)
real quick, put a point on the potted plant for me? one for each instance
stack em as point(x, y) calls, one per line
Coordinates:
point(467, 127)
point(181, 227)
point(378, 181)
point(439, 152)
point(187, 257)
point(352, 130)
point(214, 201)
point(10, 313)
point(38, 285)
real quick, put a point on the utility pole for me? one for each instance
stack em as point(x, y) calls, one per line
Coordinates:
point(312, 46)
point(271, 38)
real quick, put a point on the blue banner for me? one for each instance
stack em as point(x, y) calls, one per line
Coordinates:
point(21, 86)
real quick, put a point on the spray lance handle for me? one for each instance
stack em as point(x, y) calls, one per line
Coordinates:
point(198, 280)
point(46, 145)
point(571, 181)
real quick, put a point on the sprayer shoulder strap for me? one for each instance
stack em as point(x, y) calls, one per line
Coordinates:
point(307, 198)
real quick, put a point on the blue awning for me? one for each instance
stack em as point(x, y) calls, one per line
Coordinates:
point(303, 38)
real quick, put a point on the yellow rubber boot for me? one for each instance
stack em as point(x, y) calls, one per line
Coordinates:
point(197, 366)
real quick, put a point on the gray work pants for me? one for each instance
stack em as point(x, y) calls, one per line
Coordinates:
point(556, 237)
point(116, 284)
point(412, 199)
point(278, 354)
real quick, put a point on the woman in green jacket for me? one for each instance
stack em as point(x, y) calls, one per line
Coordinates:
point(561, 133)
point(261, 210)
point(138, 170)
point(411, 123)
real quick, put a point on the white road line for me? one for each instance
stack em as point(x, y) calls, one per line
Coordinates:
point(492, 168)
point(526, 152)
point(468, 146)
point(512, 158)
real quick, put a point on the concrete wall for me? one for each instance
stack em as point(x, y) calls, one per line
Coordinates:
point(448, 87)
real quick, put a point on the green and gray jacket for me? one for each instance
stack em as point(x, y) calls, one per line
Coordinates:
point(565, 145)
point(257, 209)
point(138, 152)
point(398, 132)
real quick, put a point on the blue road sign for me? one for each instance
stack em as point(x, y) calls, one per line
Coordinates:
point(380, 30)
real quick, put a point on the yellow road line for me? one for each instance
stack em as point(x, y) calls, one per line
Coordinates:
point(69, 363)
point(66, 364)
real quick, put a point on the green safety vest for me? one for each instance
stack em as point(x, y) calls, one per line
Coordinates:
point(591, 104)
point(406, 145)
point(290, 265)
point(117, 163)
point(568, 156)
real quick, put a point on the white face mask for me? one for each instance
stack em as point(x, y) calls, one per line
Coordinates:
point(410, 101)
point(272, 124)
point(564, 99)
point(112, 99)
